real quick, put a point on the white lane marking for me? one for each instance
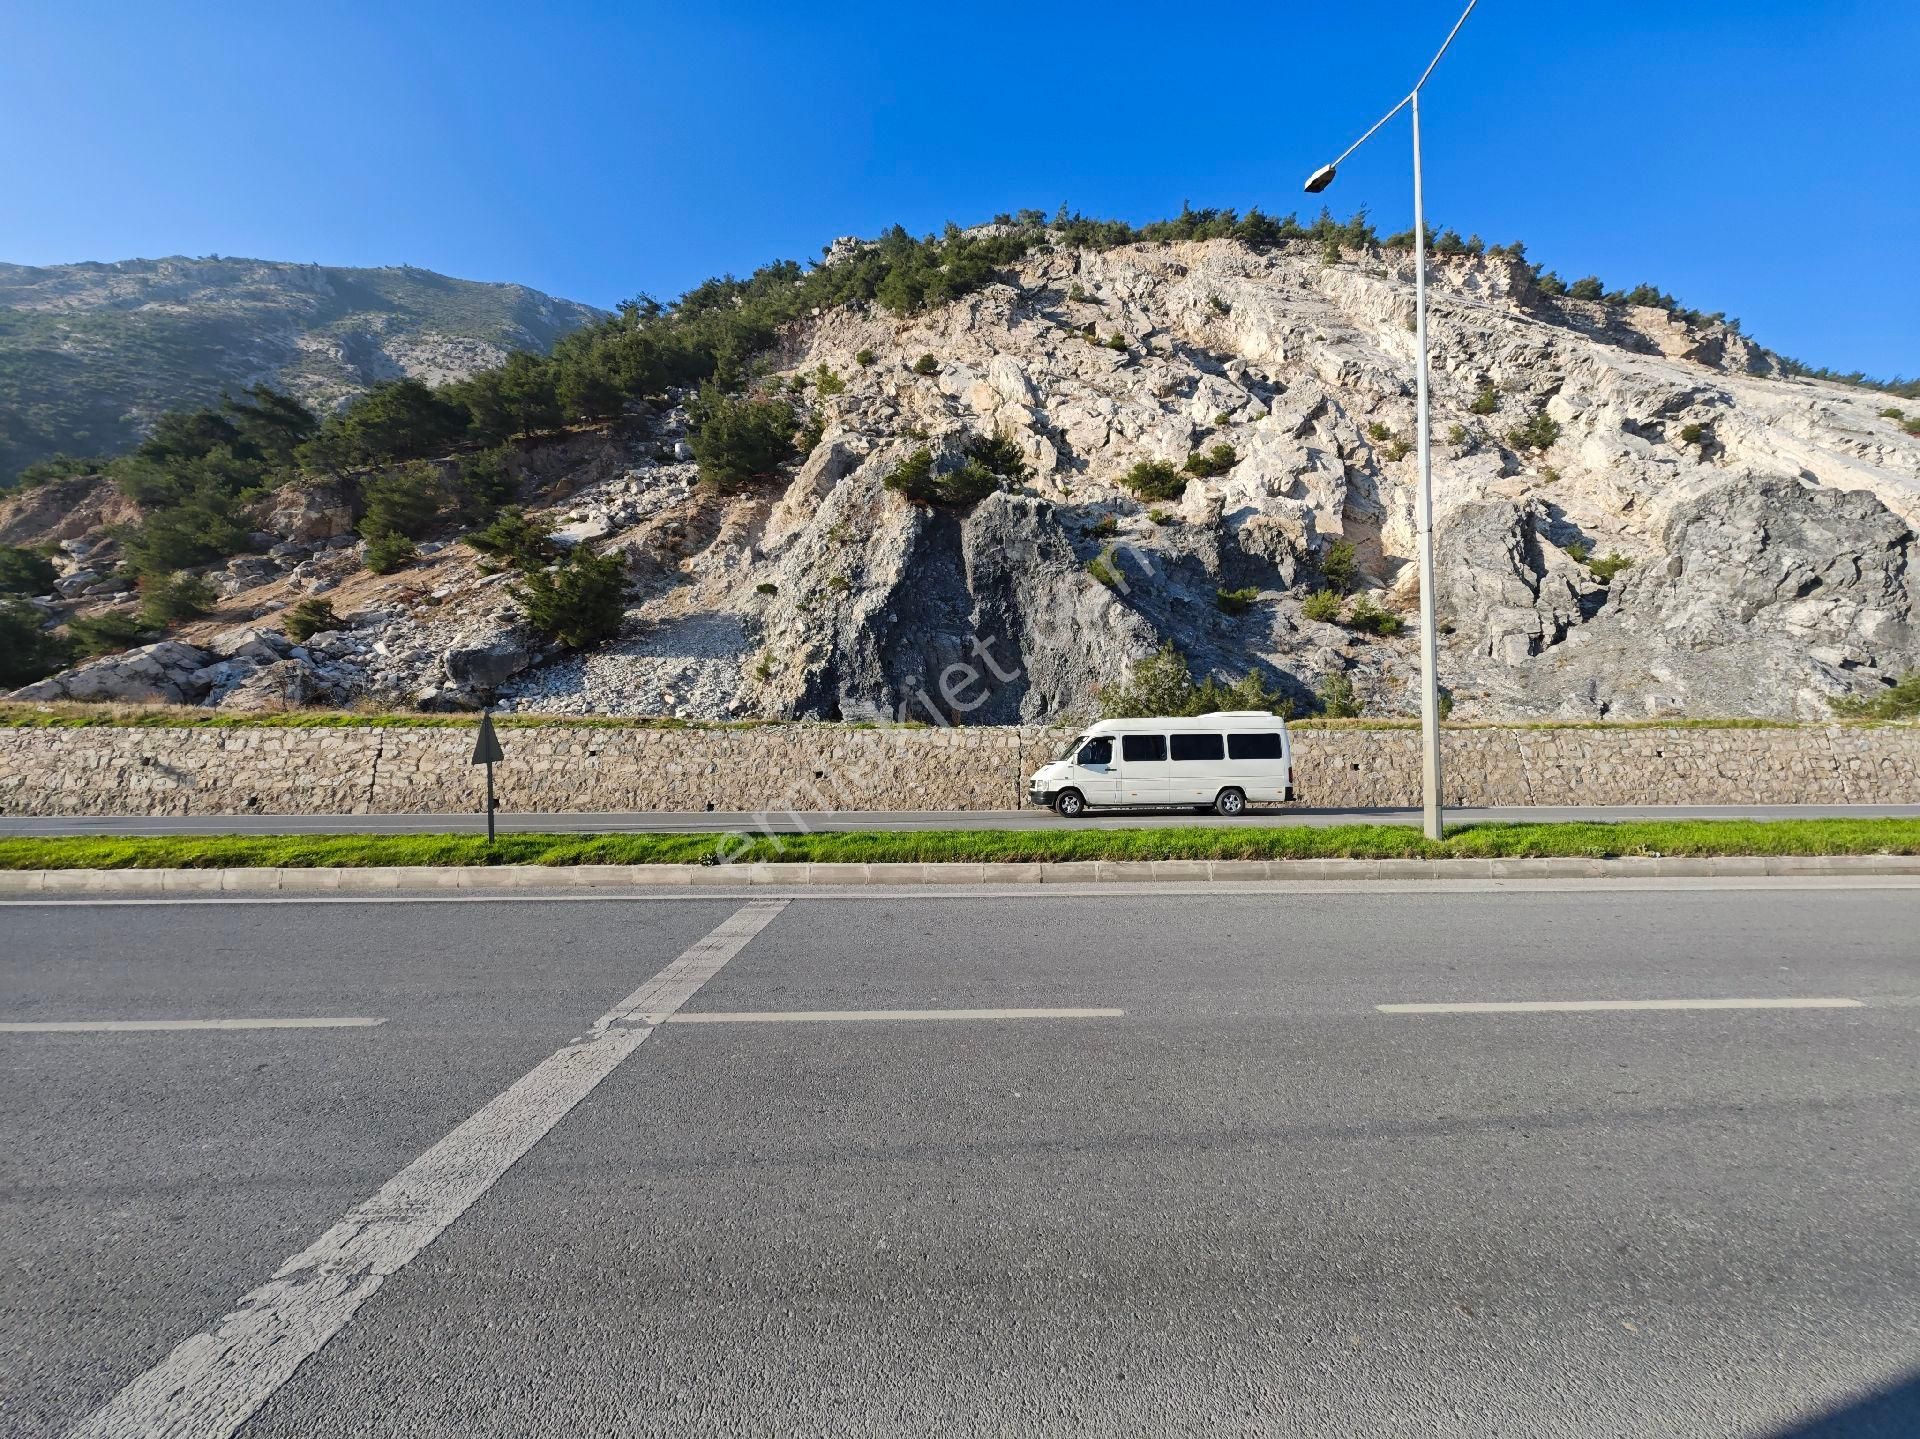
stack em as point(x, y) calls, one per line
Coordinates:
point(212, 1382)
point(119, 1026)
point(1544, 1006)
point(816, 1016)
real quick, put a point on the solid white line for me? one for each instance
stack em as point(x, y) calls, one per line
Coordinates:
point(816, 1016)
point(1545, 1006)
point(119, 1026)
point(212, 1382)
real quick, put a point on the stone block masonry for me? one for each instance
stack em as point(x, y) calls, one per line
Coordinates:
point(265, 769)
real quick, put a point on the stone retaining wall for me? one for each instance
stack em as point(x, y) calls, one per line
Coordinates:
point(106, 770)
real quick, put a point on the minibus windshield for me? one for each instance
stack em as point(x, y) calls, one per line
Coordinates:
point(1072, 745)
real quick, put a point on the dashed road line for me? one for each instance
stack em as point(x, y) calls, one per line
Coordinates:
point(1559, 1006)
point(132, 1026)
point(859, 1016)
point(212, 1382)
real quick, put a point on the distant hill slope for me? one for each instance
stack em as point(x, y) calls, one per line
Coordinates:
point(91, 353)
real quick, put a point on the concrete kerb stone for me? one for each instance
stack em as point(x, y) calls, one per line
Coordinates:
point(495, 878)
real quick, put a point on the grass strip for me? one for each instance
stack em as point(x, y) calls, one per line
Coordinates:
point(1371, 841)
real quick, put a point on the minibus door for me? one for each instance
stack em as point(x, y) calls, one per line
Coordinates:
point(1144, 758)
point(1096, 771)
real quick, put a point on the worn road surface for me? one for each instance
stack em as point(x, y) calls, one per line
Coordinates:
point(1568, 1159)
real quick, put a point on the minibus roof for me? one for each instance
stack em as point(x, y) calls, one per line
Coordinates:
point(1214, 719)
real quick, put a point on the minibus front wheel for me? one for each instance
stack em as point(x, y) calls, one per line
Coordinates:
point(1068, 804)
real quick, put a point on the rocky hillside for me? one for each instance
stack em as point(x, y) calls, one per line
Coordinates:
point(1638, 515)
point(90, 354)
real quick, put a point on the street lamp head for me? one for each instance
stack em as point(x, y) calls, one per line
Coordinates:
point(1320, 179)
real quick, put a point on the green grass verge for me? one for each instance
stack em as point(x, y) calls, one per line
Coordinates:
point(1477, 841)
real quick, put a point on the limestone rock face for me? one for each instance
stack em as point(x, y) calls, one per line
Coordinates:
point(1634, 516)
point(164, 673)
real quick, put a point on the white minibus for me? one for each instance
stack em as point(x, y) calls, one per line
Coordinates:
point(1221, 761)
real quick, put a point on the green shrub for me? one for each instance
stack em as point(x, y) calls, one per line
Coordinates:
point(578, 602)
point(1579, 551)
point(1103, 568)
point(1249, 692)
point(1486, 401)
point(1216, 461)
point(1396, 449)
point(738, 442)
point(1223, 418)
point(1236, 602)
point(766, 587)
point(23, 572)
point(168, 599)
point(1604, 570)
point(388, 551)
point(827, 382)
point(1587, 288)
point(1900, 701)
point(1156, 685)
point(1160, 517)
point(1336, 697)
point(519, 397)
point(309, 618)
point(1220, 306)
point(926, 365)
point(524, 542)
point(1457, 435)
point(1001, 457)
point(864, 358)
point(1894, 414)
point(1076, 293)
point(1911, 425)
point(397, 420)
point(1117, 342)
point(1105, 527)
point(1154, 480)
point(1378, 432)
point(1339, 567)
point(1322, 607)
point(107, 633)
point(28, 652)
point(1693, 434)
point(1369, 618)
point(403, 501)
point(481, 485)
point(1538, 433)
point(913, 477)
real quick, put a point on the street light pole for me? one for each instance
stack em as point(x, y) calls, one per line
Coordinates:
point(1433, 820)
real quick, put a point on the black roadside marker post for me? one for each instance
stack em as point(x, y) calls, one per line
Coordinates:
point(486, 751)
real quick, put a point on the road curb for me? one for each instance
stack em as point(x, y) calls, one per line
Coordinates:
point(386, 878)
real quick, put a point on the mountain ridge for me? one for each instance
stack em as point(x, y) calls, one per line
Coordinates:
point(92, 352)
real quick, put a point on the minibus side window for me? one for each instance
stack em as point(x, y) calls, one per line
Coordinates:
point(1253, 746)
point(1197, 746)
point(1141, 748)
point(1097, 751)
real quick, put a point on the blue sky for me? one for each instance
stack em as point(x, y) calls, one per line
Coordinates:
point(1758, 157)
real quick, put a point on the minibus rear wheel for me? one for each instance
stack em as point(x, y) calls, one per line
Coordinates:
point(1230, 802)
point(1068, 804)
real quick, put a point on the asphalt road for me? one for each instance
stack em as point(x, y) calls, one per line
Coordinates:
point(788, 822)
point(1252, 1201)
